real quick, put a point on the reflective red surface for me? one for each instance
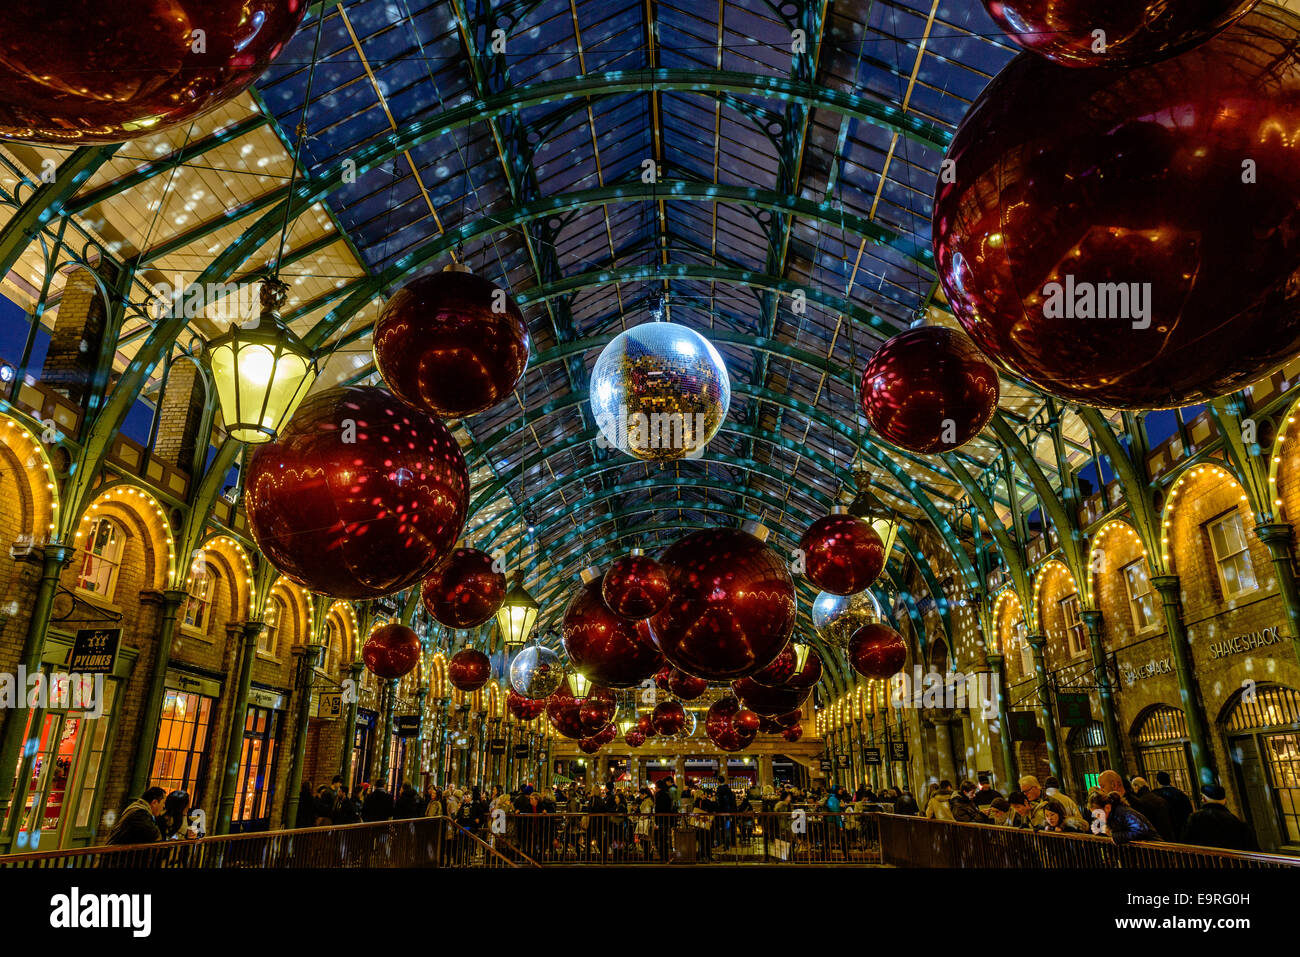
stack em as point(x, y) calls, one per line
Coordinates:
point(746, 721)
point(1081, 192)
point(779, 671)
point(1134, 32)
point(668, 718)
point(525, 709)
point(469, 669)
point(562, 711)
point(928, 390)
point(724, 730)
point(804, 678)
point(768, 701)
point(463, 590)
point(732, 607)
point(842, 554)
point(605, 647)
point(360, 497)
point(645, 725)
point(662, 677)
point(606, 734)
point(104, 71)
point(687, 687)
point(589, 745)
point(768, 725)
point(451, 343)
point(597, 709)
point(793, 733)
point(391, 651)
point(634, 738)
point(635, 586)
point(789, 719)
point(877, 651)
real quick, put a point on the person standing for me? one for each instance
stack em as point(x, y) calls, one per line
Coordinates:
point(938, 805)
point(1153, 807)
point(1215, 826)
point(986, 794)
point(138, 824)
point(1180, 805)
point(1052, 792)
point(963, 807)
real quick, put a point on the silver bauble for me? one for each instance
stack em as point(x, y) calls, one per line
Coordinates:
point(837, 617)
point(536, 672)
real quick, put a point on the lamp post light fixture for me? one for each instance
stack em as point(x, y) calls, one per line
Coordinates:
point(261, 370)
point(517, 614)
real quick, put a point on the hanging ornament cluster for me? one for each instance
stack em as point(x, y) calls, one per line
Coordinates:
point(593, 743)
point(522, 708)
point(359, 497)
point(469, 670)
point(464, 589)
point(877, 651)
point(577, 718)
point(451, 343)
point(928, 390)
point(728, 726)
point(1124, 238)
point(659, 391)
point(391, 651)
point(608, 649)
point(1084, 33)
point(842, 553)
point(768, 700)
point(793, 733)
point(80, 72)
point(732, 605)
point(635, 587)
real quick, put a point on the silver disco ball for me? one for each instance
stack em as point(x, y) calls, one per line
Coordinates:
point(659, 391)
point(536, 672)
point(837, 617)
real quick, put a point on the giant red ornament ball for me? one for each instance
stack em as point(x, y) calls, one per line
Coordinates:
point(597, 709)
point(359, 497)
point(686, 687)
point(732, 607)
point(562, 710)
point(391, 651)
point(746, 721)
point(451, 343)
point(877, 651)
point(635, 586)
point(525, 709)
point(634, 738)
point(464, 589)
point(668, 718)
point(78, 72)
point(804, 678)
point(722, 728)
point(769, 701)
point(469, 669)
point(645, 725)
point(842, 554)
point(793, 733)
point(606, 734)
point(780, 670)
point(589, 745)
point(1065, 31)
point(927, 390)
point(605, 647)
point(1100, 236)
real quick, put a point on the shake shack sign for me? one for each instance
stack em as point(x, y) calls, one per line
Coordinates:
point(1156, 666)
point(1243, 643)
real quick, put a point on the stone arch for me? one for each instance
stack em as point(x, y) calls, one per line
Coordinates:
point(145, 522)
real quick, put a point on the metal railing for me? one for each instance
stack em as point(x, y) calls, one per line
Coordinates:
point(415, 842)
point(926, 842)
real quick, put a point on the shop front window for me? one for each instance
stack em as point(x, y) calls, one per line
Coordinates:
point(1074, 630)
point(1163, 745)
point(256, 783)
point(182, 743)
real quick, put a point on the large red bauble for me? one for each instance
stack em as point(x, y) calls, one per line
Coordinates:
point(464, 589)
point(877, 651)
point(605, 647)
point(717, 720)
point(562, 710)
point(645, 725)
point(359, 497)
point(793, 733)
point(668, 718)
point(90, 71)
point(733, 739)
point(808, 675)
point(525, 709)
point(722, 728)
point(789, 719)
point(589, 745)
point(687, 687)
point(635, 587)
point(928, 390)
point(842, 554)
point(634, 738)
point(1135, 32)
point(597, 709)
point(746, 721)
point(768, 701)
point(469, 669)
point(606, 734)
point(768, 725)
point(780, 670)
point(732, 607)
point(451, 343)
point(391, 651)
point(1069, 185)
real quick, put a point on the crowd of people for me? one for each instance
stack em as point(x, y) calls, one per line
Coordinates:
point(1132, 811)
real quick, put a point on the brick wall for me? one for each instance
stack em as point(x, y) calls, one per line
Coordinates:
point(78, 333)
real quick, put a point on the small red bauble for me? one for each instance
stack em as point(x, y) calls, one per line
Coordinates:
point(606, 734)
point(469, 669)
point(732, 607)
point(1134, 33)
point(525, 709)
point(768, 701)
point(562, 710)
point(597, 709)
point(687, 687)
point(842, 554)
point(645, 725)
point(779, 671)
point(605, 647)
point(85, 71)
point(589, 745)
point(808, 675)
point(746, 721)
point(722, 728)
point(451, 343)
point(1092, 237)
point(793, 733)
point(634, 738)
point(464, 589)
point(877, 651)
point(391, 651)
point(635, 587)
point(928, 390)
point(359, 497)
point(668, 718)
point(663, 676)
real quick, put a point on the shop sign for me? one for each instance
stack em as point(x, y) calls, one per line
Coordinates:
point(1154, 667)
point(521, 750)
point(406, 725)
point(1242, 643)
point(265, 699)
point(497, 746)
point(871, 756)
point(330, 705)
point(1024, 726)
point(841, 760)
point(1073, 709)
point(94, 652)
point(825, 764)
point(897, 750)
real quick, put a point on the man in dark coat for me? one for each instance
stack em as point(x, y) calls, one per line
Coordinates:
point(137, 824)
point(1215, 826)
point(963, 806)
point(1180, 805)
point(378, 806)
point(906, 804)
point(1154, 808)
point(726, 802)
